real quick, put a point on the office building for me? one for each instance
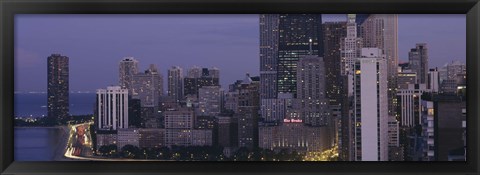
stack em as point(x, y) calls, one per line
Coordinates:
point(112, 108)
point(148, 87)
point(314, 106)
point(381, 31)
point(227, 131)
point(410, 104)
point(175, 83)
point(406, 78)
point(418, 62)
point(178, 127)
point(209, 101)
point(370, 106)
point(333, 32)
point(58, 87)
point(248, 112)
point(433, 80)
point(128, 136)
point(128, 67)
point(151, 137)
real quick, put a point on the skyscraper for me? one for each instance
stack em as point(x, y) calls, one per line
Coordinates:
point(381, 31)
point(248, 107)
point(269, 36)
point(418, 62)
point(128, 67)
point(333, 32)
point(207, 77)
point(148, 87)
point(112, 108)
point(314, 106)
point(175, 83)
point(58, 86)
point(370, 103)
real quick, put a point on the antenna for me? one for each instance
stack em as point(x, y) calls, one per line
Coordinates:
point(310, 43)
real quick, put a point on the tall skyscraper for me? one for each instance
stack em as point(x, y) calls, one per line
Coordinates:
point(112, 108)
point(128, 67)
point(333, 32)
point(418, 62)
point(381, 31)
point(148, 87)
point(269, 36)
point(370, 103)
point(175, 83)
point(248, 107)
point(58, 86)
point(314, 106)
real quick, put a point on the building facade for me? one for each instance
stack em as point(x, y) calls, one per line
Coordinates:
point(58, 87)
point(112, 108)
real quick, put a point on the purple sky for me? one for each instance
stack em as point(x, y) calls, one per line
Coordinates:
point(96, 43)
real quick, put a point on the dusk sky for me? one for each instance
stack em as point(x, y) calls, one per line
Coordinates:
point(96, 43)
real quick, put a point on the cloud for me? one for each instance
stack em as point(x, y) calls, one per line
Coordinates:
point(26, 59)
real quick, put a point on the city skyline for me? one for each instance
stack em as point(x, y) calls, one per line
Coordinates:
point(229, 33)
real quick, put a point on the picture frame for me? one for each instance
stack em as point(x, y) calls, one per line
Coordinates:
point(9, 8)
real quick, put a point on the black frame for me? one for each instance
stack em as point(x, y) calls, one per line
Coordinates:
point(8, 8)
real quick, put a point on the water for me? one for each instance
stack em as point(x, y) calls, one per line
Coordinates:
point(36, 144)
point(35, 105)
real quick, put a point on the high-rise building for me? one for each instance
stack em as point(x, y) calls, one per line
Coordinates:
point(194, 72)
point(406, 78)
point(275, 110)
point(112, 108)
point(433, 80)
point(128, 67)
point(209, 101)
point(178, 127)
point(284, 38)
point(58, 86)
point(410, 104)
point(314, 106)
point(175, 83)
point(248, 109)
point(381, 31)
point(148, 87)
point(333, 32)
point(269, 37)
point(370, 106)
point(418, 62)
point(208, 77)
point(227, 131)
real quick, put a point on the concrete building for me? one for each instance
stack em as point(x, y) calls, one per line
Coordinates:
point(381, 31)
point(275, 110)
point(151, 137)
point(128, 136)
point(227, 131)
point(175, 83)
point(314, 106)
point(418, 62)
point(112, 108)
point(370, 106)
point(148, 87)
point(433, 80)
point(178, 127)
point(202, 137)
point(410, 104)
point(209, 101)
point(333, 33)
point(128, 67)
point(58, 106)
point(248, 112)
point(406, 78)
point(294, 136)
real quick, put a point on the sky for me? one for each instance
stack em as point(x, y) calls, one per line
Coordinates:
point(96, 43)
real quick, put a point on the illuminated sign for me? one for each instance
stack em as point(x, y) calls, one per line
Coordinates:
point(292, 121)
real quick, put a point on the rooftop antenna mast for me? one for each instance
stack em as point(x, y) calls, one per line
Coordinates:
point(310, 43)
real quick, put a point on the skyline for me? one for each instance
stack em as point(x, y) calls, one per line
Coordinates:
point(179, 44)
